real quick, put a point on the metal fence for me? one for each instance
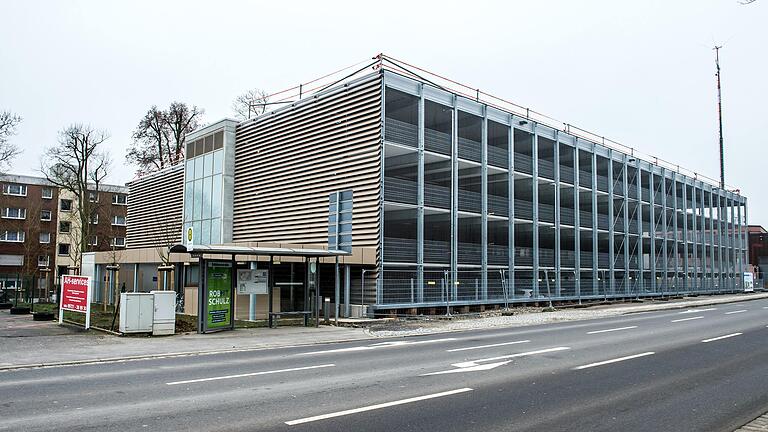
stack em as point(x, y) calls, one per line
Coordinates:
point(439, 287)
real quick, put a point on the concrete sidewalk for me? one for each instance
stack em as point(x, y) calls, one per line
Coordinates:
point(27, 343)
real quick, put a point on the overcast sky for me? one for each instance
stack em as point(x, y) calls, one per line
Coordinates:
point(641, 73)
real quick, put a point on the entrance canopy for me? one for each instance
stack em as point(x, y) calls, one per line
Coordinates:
point(255, 250)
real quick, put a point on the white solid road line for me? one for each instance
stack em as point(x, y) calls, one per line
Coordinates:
point(721, 337)
point(697, 310)
point(487, 346)
point(735, 312)
point(376, 346)
point(591, 365)
point(251, 374)
point(377, 406)
point(611, 330)
point(688, 319)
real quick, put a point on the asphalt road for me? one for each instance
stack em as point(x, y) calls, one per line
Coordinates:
point(704, 369)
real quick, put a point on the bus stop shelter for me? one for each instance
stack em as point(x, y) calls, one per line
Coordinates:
point(218, 280)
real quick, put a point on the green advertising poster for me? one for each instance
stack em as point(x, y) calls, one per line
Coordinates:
point(219, 281)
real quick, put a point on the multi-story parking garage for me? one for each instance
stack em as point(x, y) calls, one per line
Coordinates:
point(483, 205)
point(459, 199)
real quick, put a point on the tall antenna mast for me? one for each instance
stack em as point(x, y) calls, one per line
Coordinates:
point(720, 115)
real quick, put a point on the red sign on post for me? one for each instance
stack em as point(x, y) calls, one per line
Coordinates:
point(76, 296)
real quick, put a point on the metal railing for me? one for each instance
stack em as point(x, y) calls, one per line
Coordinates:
point(436, 141)
point(498, 157)
point(400, 190)
point(401, 132)
point(470, 149)
point(437, 196)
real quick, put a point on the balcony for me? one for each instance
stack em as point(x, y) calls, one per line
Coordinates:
point(400, 132)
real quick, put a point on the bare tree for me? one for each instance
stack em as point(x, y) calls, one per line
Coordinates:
point(250, 104)
point(78, 165)
point(150, 141)
point(180, 119)
point(8, 123)
point(158, 140)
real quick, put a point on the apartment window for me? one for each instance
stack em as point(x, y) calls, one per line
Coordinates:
point(12, 236)
point(14, 213)
point(66, 205)
point(93, 196)
point(43, 260)
point(118, 220)
point(64, 227)
point(63, 248)
point(15, 189)
point(45, 215)
point(95, 219)
point(119, 199)
point(45, 237)
point(93, 241)
point(47, 193)
point(118, 242)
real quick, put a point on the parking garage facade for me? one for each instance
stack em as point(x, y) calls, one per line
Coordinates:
point(483, 206)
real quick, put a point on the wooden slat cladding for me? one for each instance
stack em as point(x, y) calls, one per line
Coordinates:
point(287, 163)
point(155, 207)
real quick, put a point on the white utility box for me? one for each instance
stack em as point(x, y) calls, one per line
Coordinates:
point(164, 322)
point(136, 312)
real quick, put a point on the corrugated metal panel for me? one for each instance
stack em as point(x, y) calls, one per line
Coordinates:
point(288, 162)
point(155, 207)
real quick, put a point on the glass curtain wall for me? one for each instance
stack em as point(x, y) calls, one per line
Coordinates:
point(203, 188)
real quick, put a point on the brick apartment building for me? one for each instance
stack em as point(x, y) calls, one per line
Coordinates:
point(39, 231)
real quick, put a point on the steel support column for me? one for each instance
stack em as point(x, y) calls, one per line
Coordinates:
point(420, 203)
point(556, 157)
point(611, 222)
point(535, 183)
point(484, 206)
point(576, 220)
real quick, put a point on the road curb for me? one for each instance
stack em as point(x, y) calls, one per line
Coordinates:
point(175, 354)
point(374, 337)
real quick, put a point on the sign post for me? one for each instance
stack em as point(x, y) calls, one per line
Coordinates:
point(76, 297)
